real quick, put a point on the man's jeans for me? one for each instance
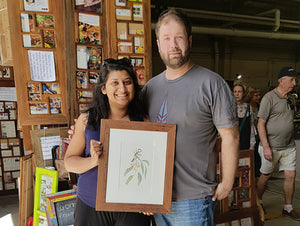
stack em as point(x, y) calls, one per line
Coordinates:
point(198, 212)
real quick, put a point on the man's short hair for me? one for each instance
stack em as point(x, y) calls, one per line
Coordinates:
point(178, 13)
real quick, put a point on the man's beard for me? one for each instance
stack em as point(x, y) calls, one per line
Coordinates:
point(176, 62)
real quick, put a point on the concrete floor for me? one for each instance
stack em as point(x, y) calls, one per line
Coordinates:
point(273, 204)
point(272, 200)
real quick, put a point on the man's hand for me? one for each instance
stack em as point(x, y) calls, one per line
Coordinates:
point(268, 154)
point(221, 192)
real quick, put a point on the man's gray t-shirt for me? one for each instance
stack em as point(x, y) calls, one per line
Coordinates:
point(279, 118)
point(197, 102)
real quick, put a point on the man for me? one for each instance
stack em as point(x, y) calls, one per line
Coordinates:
point(201, 104)
point(275, 128)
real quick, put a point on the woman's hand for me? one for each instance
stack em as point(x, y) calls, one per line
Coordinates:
point(96, 150)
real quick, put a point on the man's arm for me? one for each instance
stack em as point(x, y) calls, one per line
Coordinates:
point(229, 155)
point(262, 132)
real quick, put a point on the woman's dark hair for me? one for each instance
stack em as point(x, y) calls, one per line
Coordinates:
point(180, 15)
point(100, 106)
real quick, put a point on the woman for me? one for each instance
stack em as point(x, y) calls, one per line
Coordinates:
point(116, 96)
point(244, 111)
point(252, 98)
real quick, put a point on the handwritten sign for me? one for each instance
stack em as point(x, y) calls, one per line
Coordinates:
point(65, 211)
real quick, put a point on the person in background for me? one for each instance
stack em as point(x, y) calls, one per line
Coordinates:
point(244, 112)
point(116, 96)
point(252, 98)
point(277, 145)
point(201, 105)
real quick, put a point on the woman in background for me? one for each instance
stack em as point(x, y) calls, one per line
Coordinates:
point(244, 111)
point(116, 96)
point(252, 98)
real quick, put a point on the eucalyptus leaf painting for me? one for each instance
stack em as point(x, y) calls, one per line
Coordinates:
point(136, 161)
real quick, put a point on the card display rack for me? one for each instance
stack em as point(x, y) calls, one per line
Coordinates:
point(10, 138)
point(89, 35)
point(239, 208)
point(39, 53)
point(132, 35)
point(110, 29)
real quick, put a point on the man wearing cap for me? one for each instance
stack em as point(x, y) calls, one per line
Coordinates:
point(275, 128)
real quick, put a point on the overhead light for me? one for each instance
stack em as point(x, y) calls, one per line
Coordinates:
point(239, 76)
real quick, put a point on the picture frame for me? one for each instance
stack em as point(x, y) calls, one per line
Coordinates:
point(60, 207)
point(135, 171)
point(46, 183)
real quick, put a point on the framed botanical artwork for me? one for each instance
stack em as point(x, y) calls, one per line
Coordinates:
point(135, 171)
point(46, 183)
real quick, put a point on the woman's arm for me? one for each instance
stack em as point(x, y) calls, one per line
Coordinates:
point(74, 162)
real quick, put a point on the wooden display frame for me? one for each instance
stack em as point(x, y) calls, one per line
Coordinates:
point(29, 115)
point(240, 207)
point(131, 197)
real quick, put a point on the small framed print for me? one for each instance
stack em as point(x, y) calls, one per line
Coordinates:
point(55, 105)
point(93, 6)
point(135, 154)
point(84, 96)
point(50, 88)
point(3, 144)
point(123, 14)
point(44, 20)
point(13, 141)
point(137, 12)
point(232, 199)
point(138, 45)
point(8, 129)
point(125, 47)
point(122, 31)
point(245, 177)
point(120, 3)
point(48, 38)
point(89, 57)
point(16, 151)
point(32, 41)
point(243, 193)
point(7, 72)
point(137, 61)
point(89, 29)
point(36, 5)
point(10, 105)
point(93, 77)
point(38, 108)
point(27, 22)
point(81, 80)
point(136, 29)
point(6, 153)
point(12, 114)
point(4, 116)
point(140, 74)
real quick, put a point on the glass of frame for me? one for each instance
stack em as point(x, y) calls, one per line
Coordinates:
point(135, 171)
point(46, 183)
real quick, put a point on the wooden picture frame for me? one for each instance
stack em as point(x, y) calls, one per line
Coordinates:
point(60, 207)
point(138, 157)
point(46, 182)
